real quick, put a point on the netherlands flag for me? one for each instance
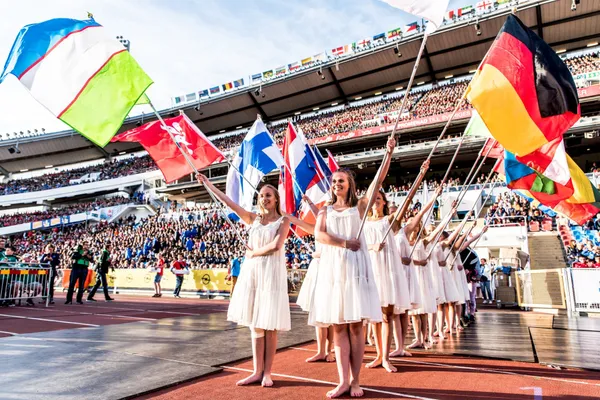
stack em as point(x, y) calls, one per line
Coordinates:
point(301, 174)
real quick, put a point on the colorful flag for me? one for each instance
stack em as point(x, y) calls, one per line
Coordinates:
point(307, 61)
point(394, 33)
point(257, 156)
point(362, 43)
point(238, 83)
point(256, 77)
point(484, 6)
point(203, 93)
point(450, 15)
point(268, 74)
point(411, 28)
point(215, 90)
point(380, 36)
point(293, 66)
point(321, 57)
point(531, 93)
point(322, 164)
point(191, 97)
point(178, 99)
point(340, 51)
point(227, 86)
point(465, 10)
point(331, 162)
point(164, 151)
point(80, 73)
point(300, 175)
point(432, 10)
point(279, 71)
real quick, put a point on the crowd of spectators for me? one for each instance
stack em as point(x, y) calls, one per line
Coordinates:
point(440, 100)
point(584, 63)
point(69, 209)
point(107, 170)
point(203, 236)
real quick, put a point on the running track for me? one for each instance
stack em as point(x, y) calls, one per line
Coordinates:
point(423, 376)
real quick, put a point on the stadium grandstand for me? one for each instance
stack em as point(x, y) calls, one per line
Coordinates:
point(60, 188)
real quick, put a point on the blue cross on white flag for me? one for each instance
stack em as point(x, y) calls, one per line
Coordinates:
point(257, 156)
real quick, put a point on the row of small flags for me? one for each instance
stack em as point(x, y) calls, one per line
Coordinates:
point(394, 34)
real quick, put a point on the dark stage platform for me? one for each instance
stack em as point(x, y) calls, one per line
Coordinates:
point(126, 360)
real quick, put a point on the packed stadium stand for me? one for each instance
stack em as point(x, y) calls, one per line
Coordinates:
point(343, 105)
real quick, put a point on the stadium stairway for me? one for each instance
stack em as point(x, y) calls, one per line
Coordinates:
point(546, 251)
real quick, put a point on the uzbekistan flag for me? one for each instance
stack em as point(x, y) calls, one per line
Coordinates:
point(80, 73)
point(523, 91)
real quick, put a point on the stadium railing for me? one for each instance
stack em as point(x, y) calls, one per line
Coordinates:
point(20, 281)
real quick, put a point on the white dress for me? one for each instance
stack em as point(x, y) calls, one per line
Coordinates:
point(450, 290)
point(305, 296)
point(460, 279)
point(428, 295)
point(345, 291)
point(436, 273)
point(260, 299)
point(410, 270)
point(387, 267)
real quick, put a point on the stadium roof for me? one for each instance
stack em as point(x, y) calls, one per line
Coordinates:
point(454, 50)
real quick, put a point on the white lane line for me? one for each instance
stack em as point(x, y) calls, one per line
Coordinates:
point(491, 370)
point(99, 314)
point(366, 389)
point(9, 333)
point(49, 320)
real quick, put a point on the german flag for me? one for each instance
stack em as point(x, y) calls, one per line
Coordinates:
point(523, 91)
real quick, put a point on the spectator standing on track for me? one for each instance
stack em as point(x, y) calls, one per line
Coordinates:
point(9, 259)
point(52, 258)
point(101, 271)
point(160, 269)
point(79, 269)
point(180, 269)
point(234, 271)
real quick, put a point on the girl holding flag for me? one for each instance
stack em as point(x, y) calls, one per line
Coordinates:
point(261, 299)
point(306, 296)
point(346, 293)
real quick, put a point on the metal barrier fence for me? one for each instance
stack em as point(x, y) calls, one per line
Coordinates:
point(24, 281)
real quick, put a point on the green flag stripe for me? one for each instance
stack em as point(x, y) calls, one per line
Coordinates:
point(105, 102)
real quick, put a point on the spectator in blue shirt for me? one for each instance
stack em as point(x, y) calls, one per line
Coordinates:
point(234, 270)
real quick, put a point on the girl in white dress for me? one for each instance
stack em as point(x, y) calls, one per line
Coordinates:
point(454, 309)
point(260, 300)
point(305, 299)
point(346, 293)
point(422, 298)
point(389, 274)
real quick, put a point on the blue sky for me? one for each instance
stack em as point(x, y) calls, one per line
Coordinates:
point(188, 45)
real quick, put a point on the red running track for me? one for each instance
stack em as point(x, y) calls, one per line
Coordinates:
point(423, 376)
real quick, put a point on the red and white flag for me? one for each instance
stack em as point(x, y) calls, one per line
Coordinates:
point(163, 150)
point(333, 165)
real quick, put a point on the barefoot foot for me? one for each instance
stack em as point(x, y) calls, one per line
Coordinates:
point(415, 345)
point(330, 357)
point(338, 391)
point(251, 379)
point(356, 390)
point(316, 357)
point(388, 366)
point(267, 381)
point(374, 364)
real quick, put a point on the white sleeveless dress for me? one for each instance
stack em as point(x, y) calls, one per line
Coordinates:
point(459, 278)
point(410, 270)
point(450, 290)
point(423, 273)
point(260, 299)
point(387, 267)
point(345, 291)
point(305, 296)
point(436, 274)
